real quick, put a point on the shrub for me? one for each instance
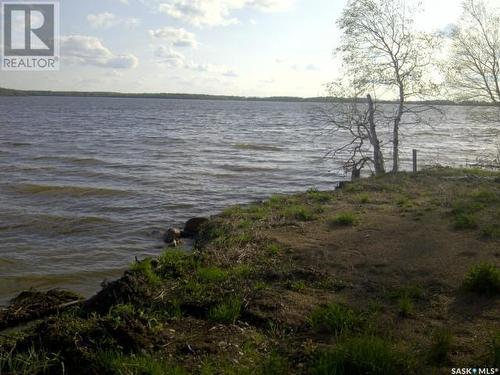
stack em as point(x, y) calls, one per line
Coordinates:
point(466, 207)
point(344, 219)
point(226, 312)
point(440, 347)
point(334, 318)
point(464, 221)
point(362, 355)
point(491, 231)
point(485, 196)
point(483, 279)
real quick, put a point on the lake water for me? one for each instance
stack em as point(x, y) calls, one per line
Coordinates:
point(87, 183)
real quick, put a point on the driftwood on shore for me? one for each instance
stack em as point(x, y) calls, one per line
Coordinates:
point(31, 305)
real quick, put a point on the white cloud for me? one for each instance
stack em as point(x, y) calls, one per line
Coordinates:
point(170, 57)
point(175, 37)
point(271, 5)
point(210, 68)
point(87, 50)
point(203, 13)
point(106, 20)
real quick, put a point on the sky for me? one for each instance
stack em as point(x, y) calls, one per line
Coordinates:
point(221, 47)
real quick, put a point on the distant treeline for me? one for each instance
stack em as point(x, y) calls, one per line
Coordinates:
point(319, 99)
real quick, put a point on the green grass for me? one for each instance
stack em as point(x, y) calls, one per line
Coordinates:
point(406, 307)
point(242, 271)
point(465, 205)
point(483, 279)
point(320, 197)
point(411, 291)
point(495, 349)
point(404, 202)
point(120, 364)
point(486, 197)
point(29, 362)
point(227, 311)
point(146, 268)
point(334, 318)
point(275, 364)
point(273, 249)
point(278, 201)
point(362, 355)
point(297, 286)
point(364, 198)
point(405, 297)
point(175, 263)
point(212, 274)
point(441, 344)
point(299, 212)
point(344, 219)
point(465, 212)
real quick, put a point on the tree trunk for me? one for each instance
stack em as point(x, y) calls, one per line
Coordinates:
point(397, 122)
point(378, 158)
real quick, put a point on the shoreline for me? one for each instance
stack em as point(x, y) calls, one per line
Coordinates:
point(301, 284)
point(5, 92)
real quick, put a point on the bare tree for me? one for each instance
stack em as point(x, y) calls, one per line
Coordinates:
point(474, 68)
point(385, 56)
point(354, 122)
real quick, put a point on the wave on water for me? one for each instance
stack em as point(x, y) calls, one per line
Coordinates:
point(73, 159)
point(246, 168)
point(56, 225)
point(17, 144)
point(74, 191)
point(256, 147)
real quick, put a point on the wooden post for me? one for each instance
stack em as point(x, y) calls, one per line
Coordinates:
point(415, 165)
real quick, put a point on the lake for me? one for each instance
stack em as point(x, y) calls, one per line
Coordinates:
point(87, 184)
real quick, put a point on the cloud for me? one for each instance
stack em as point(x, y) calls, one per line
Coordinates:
point(271, 5)
point(170, 57)
point(87, 50)
point(210, 68)
point(207, 13)
point(175, 37)
point(106, 20)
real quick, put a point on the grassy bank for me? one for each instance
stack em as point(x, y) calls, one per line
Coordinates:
point(390, 275)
